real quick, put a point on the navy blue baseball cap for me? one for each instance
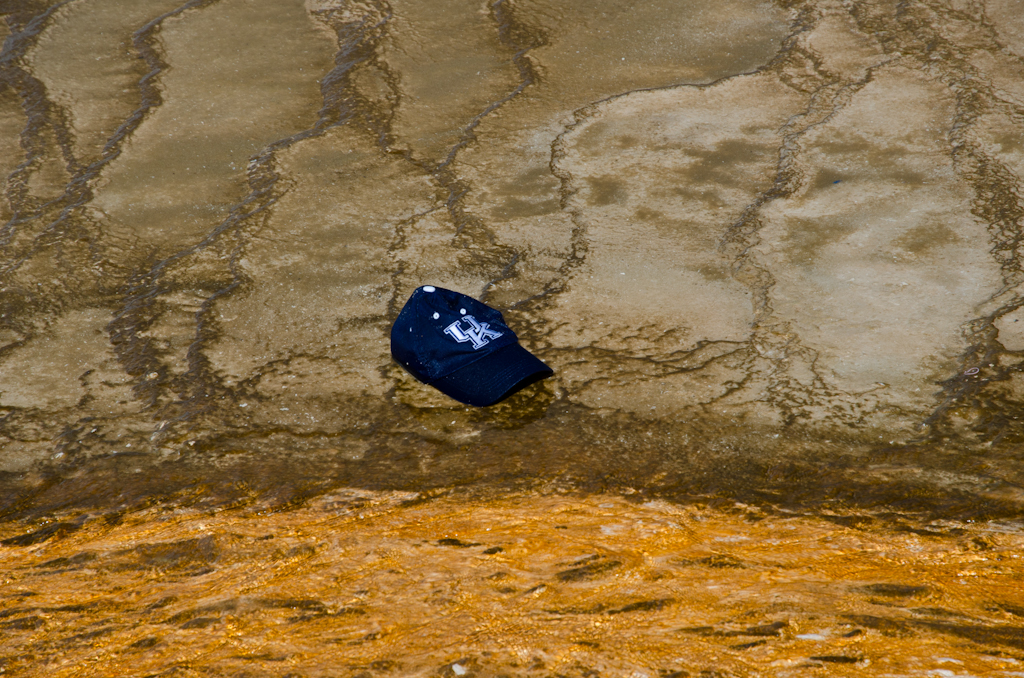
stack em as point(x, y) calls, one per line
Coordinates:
point(461, 347)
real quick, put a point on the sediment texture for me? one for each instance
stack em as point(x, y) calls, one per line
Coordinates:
point(771, 250)
point(801, 216)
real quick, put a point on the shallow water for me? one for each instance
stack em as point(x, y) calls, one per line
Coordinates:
point(770, 251)
point(389, 584)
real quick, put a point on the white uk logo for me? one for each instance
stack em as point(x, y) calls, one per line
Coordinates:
point(479, 333)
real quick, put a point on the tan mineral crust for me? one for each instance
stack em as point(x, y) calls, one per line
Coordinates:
point(772, 251)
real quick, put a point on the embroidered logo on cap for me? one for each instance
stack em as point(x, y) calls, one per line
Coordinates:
point(478, 333)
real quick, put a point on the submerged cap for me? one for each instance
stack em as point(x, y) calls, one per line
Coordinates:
point(461, 347)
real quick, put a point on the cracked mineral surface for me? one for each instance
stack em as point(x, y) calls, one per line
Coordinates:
point(772, 251)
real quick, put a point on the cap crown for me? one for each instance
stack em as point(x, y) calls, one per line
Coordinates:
point(440, 331)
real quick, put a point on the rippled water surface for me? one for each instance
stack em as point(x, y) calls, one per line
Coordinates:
point(771, 250)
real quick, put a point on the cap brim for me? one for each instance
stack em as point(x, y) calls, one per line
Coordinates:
point(493, 378)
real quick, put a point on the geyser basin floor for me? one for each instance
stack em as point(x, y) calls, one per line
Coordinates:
point(771, 249)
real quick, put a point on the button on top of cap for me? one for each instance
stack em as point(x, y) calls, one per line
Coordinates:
point(429, 288)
